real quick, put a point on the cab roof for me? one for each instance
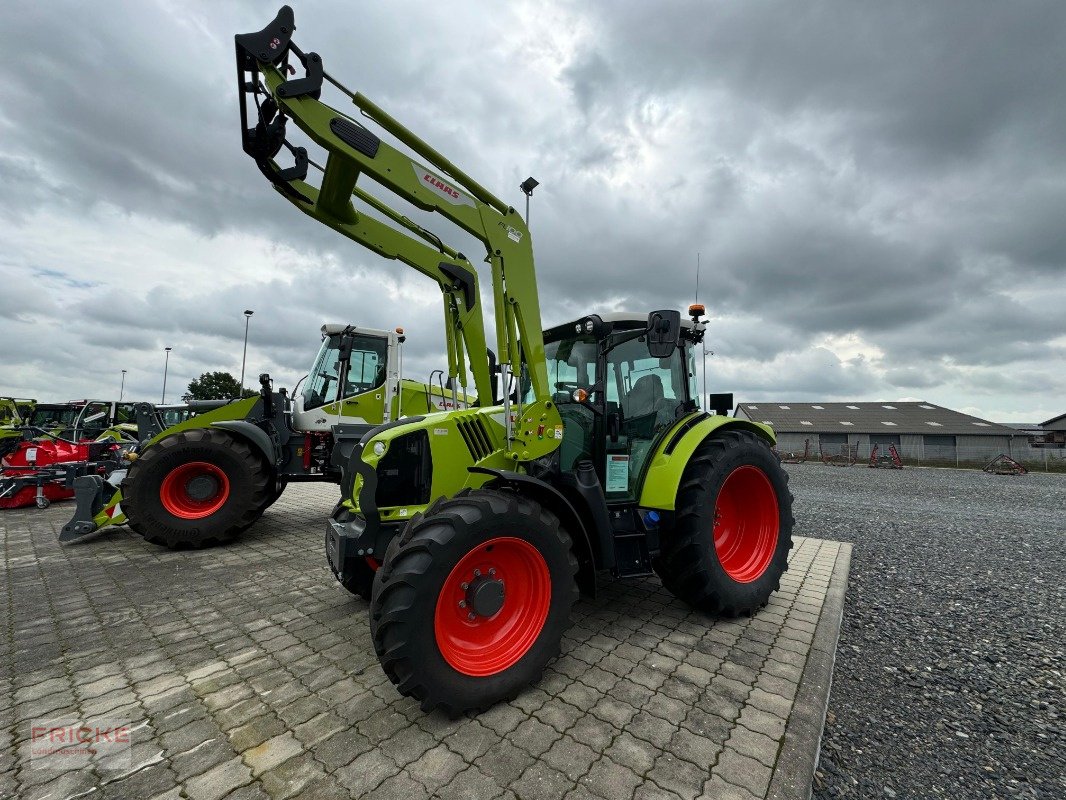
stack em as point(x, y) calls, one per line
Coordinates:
point(335, 328)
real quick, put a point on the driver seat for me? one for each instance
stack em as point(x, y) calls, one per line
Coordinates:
point(646, 396)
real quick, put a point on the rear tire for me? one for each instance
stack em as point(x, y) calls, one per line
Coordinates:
point(194, 489)
point(472, 600)
point(733, 528)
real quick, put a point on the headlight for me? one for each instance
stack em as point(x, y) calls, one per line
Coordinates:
point(379, 448)
point(589, 325)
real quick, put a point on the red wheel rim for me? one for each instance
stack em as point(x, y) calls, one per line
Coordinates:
point(194, 490)
point(746, 524)
point(480, 645)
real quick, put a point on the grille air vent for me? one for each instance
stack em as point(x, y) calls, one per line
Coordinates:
point(475, 437)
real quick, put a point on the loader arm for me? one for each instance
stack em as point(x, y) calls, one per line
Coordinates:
point(267, 80)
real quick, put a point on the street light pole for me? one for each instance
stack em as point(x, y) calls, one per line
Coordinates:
point(166, 365)
point(122, 388)
point(247, 318)
point(527, 186)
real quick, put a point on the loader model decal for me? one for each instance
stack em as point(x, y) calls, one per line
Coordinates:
point(441, 187)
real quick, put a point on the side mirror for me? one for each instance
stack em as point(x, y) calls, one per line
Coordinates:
point(664, 332)
point(720, 404)
point(345, 350)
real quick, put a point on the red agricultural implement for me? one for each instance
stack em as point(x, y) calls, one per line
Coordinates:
point(890, 460)
point(847, 456)
point(1005, 465)
point(42, 472)
point(794, 458)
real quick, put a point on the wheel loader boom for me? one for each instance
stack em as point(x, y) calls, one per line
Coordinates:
point(271, 94)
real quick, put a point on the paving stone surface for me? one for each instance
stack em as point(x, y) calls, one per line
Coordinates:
point(248, 672)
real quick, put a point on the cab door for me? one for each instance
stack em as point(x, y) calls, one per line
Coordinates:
point(648, 395)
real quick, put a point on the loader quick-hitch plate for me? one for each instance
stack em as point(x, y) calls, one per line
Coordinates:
point(265, 138)
point(270, 44)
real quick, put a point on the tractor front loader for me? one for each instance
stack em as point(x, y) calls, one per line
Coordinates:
point(209, 475)
point(471, 531)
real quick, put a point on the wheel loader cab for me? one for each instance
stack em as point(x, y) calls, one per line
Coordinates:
point(350, 379)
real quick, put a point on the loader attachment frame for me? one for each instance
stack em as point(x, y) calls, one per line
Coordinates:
point(271, 94)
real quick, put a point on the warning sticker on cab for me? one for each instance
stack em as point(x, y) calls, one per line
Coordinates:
point(558, 431)
point(617, 473)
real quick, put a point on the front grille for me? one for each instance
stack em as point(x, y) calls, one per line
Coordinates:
point(405, 472)
point(472, 429)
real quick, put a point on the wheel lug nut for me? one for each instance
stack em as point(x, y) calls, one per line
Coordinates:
point(464, 586)
point(477, 573)
point(470, 616)
point(492, 571)
point(462, 604)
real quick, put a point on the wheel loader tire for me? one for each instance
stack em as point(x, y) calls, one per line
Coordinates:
point(472, 600)
point(276, 491)
point(195, 489)
point(733, 527)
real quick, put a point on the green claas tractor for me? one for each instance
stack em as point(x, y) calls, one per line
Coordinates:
point(207, 478)
point(14, 413)
point(14, 410)
point(471, 531)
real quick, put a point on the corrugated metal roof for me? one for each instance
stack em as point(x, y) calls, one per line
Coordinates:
point(862, 417)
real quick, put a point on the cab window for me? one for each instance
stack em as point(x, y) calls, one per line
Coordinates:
point(366, 370)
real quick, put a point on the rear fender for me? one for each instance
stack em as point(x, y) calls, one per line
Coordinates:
point(671, 456)
point(255, 435)
point(235, 411)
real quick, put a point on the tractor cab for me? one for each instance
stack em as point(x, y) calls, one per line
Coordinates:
point(353, 377)
point(616, 397)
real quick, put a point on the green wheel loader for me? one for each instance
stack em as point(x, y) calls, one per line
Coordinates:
point(471, 531)
point(209, 476)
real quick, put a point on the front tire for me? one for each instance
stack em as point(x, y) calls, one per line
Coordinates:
point(195, 489)
point(472, 600)
point(733, 529)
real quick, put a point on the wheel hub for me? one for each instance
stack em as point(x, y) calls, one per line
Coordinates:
point(492, 606)
point(485, 596)
point(202, 487)
point(194, 490)
point(746, 524)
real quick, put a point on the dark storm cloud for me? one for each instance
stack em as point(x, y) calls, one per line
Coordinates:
point(890, 172)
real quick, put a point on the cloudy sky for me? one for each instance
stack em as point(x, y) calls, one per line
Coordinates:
point(876, 192)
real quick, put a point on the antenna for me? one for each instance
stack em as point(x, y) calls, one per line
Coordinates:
point(703, 347)
point(697, 277)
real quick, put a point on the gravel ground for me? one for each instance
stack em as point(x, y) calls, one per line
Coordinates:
point(949, 678)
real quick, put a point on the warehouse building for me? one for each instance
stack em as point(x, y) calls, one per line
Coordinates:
point(1052, 433)
point(920, 432)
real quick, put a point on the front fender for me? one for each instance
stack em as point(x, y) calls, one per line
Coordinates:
point(671, 456)
point(555, 501)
